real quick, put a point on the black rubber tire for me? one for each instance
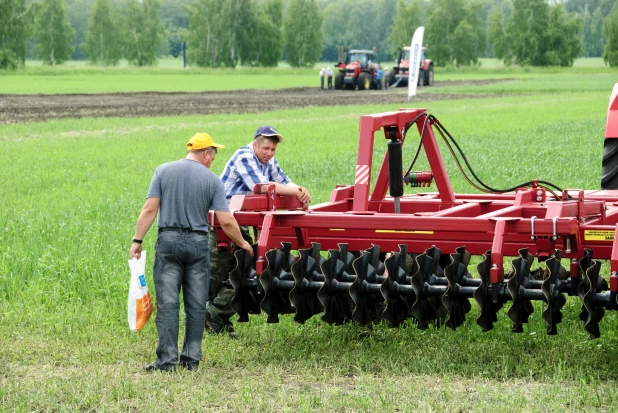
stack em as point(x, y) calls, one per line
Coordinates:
point(421, 78)
point(609, 170)
point(430, 76)
point(339, 80)
point(350, 86)
point(364, 81)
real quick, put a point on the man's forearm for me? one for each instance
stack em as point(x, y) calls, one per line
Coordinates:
point(290, 189)
point(144, 222)
point(146, 217)
point(299, 192)
point(232, 230)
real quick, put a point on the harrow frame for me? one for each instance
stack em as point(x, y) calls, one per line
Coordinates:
point(529, 222)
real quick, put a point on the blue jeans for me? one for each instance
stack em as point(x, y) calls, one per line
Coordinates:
point(182, 262)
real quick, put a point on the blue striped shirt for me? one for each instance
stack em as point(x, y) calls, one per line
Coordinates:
point(243, 171)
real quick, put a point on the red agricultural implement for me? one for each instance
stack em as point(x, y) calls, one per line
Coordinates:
point(396, 257)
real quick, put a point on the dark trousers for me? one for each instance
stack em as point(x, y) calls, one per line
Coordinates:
point(322, 82)
point(220, 296)
point(330, 82)
point(182, 263)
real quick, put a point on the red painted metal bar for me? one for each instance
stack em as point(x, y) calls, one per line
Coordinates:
point(437, 165)
point(496, 272)
point(362, 177)
point(263, 202)
point(260, 259)
point(611, 126)
point(469, 209)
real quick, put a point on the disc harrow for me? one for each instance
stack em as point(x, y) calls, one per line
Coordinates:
point(366, 258)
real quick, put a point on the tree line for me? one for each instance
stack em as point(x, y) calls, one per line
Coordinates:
point(228, 33)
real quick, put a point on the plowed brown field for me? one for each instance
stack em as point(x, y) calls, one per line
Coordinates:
point(33, 108)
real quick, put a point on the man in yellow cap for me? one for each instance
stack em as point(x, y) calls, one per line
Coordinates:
point(181, 193)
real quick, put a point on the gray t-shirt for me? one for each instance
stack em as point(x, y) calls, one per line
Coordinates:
point(187, 190)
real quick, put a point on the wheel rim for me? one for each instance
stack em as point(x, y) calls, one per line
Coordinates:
point(366, 83)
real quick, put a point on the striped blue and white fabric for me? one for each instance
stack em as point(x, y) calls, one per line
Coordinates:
point(243, 171)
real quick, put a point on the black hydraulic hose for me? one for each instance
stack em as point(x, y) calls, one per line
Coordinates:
point(413, 121)
point(420, 143)
point(442, 128)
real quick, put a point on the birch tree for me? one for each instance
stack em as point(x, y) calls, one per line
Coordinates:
point(610, 32)
point(15, 30)
point(102, 45)
point(144, 32)
point(302, 33)
point(210, 43)
point(444, 18)
point(543, 35)
point(53, 34)
point(407, 19)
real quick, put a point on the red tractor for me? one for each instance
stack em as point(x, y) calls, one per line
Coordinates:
point(359, 69)
point(400, 73)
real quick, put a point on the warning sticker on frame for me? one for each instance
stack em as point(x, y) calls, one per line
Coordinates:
point(598, 235)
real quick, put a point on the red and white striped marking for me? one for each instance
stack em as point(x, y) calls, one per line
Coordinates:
point(362, 175)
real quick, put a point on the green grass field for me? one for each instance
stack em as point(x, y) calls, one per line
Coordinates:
point(72, 191)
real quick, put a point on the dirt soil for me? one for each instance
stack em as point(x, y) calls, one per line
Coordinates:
point(25, 108)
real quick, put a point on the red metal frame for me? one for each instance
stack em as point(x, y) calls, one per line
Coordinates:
point(528, 218)
point(611, 127)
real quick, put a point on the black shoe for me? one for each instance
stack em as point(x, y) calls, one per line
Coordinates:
point(189, 366)
point(153, 367)
point(215, 328)
point(229, 327)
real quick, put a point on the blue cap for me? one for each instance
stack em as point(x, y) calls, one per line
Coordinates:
point(267, 131)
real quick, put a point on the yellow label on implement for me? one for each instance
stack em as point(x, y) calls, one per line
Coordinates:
point(598, 235)
point(404, 232)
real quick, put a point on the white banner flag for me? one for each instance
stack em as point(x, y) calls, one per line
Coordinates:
point(415, 55)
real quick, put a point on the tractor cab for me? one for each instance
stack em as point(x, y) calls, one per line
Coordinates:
point(357, 61)
point(358, 58)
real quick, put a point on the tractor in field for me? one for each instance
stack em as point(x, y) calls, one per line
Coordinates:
point(401, 72)
point(358, 71)
point(367, 256)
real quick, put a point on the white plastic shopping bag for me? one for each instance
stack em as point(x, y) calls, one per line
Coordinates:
point(140, 302)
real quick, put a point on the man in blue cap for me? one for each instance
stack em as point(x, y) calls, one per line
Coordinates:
point(251, 165)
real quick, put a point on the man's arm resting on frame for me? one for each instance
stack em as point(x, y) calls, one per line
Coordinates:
point(144, 222)
point(300, 192)
point(231, 229)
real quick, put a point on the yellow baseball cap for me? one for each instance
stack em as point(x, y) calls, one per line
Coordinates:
point(201, 140)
